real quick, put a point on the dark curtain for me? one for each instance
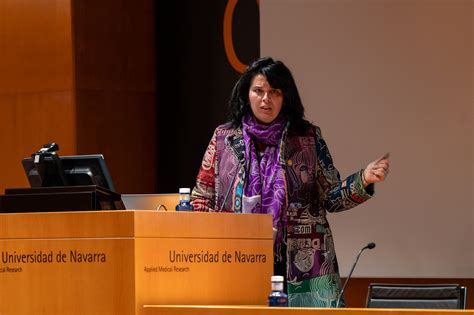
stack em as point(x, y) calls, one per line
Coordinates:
point(195, 79)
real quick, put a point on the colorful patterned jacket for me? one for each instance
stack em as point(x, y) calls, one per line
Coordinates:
point(313, 189)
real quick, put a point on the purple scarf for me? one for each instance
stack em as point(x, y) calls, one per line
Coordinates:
point(265, 187)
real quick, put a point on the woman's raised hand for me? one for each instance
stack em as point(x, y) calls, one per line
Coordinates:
point(376, 171)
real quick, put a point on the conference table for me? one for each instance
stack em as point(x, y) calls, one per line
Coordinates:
point(265, 310)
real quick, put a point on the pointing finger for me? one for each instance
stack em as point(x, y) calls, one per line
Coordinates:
point(384, 157)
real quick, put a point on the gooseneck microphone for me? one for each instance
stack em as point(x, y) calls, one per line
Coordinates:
point(368, 246)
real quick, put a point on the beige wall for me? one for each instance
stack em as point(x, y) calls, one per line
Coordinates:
point(386, 75)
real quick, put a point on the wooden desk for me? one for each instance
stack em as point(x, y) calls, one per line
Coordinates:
point(114, 262)
point(264, 310)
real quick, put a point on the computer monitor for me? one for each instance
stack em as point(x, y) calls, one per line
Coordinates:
point(75, 170)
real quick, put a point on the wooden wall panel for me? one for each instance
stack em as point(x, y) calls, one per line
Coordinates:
point(115, 84)
point(114, 42)
point(36, 83)
point(101, 54)
point(27, 122)
point(35, 45)
point(120, 125)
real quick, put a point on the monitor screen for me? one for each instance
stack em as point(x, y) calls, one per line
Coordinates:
point(79, 170)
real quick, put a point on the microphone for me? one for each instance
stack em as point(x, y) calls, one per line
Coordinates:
point(49, 148)
point(368, 246)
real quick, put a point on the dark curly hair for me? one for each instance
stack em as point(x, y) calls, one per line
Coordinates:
point(279, 77)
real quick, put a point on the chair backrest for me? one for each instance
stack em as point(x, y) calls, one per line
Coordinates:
point(427, 296)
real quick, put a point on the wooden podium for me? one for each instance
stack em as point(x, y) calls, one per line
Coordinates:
point(115, 262)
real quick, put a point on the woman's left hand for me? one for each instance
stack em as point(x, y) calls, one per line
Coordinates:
point(376, 171)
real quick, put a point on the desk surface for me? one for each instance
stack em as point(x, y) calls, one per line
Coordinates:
point(134, 223)
point(265, 310)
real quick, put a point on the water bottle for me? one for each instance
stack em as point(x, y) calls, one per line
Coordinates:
point(184, 200)
point(277, 297)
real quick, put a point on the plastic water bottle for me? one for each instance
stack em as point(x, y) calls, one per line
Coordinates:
point(184, 200)
point(277, 297)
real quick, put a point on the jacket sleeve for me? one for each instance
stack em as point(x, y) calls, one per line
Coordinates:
point(204, 193)
point(336, 195)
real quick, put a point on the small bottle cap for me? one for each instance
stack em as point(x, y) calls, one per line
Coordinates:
point(184, 190)
point(277, 278)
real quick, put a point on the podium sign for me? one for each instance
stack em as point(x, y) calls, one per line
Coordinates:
point(114, 262)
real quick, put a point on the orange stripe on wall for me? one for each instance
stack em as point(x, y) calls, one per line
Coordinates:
point(228, 38)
